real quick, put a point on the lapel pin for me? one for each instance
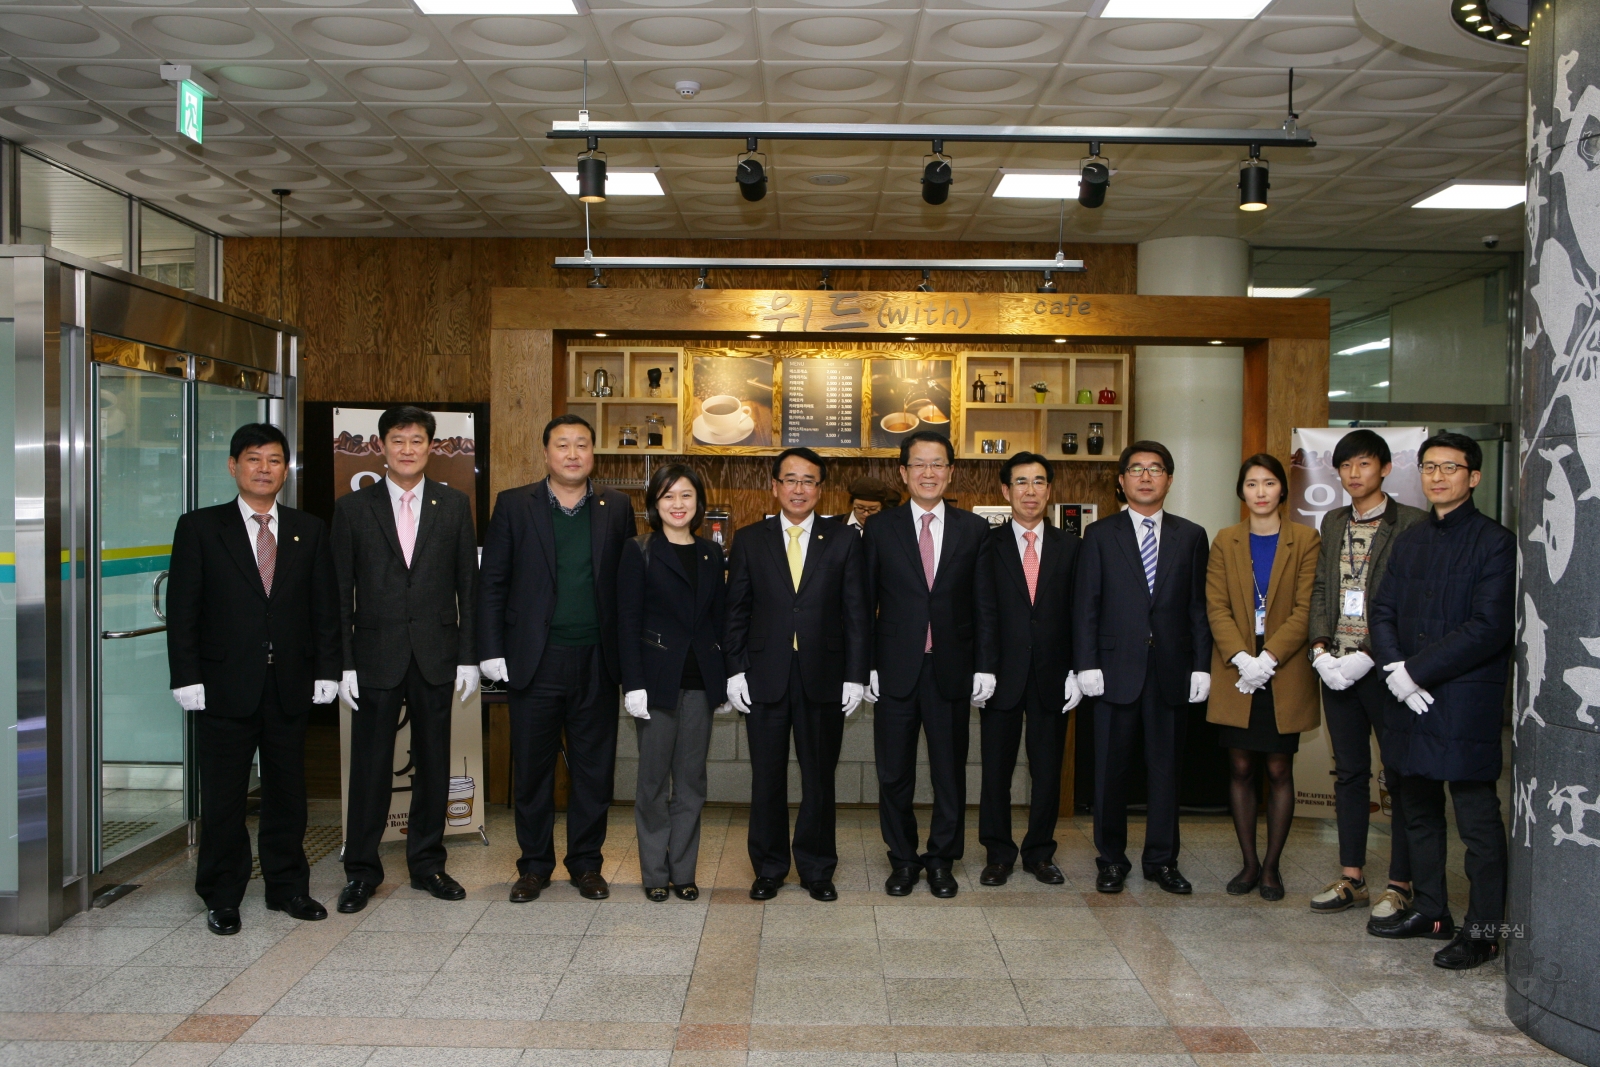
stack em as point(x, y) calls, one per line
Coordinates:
point(433, 501)
point(297, 537)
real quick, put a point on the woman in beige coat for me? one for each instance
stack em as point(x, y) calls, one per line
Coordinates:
point(1263, 690)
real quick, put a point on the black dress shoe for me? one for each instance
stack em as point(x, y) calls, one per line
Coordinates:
point(686, 891)
point(821, 889)
point(301, 907)
point(764, 888)
point(1048, 873)
point(591, 886)
point(223, 921)
point(657, 893)
point(901, 881)
point(527, 887)
point(440, 885)
point(1170, 879)
point(1411, 923)
point(1111, 877)
point(1465, 953)
point(354, 896)
point(995, 874)
point(1243, 884)
point(943, 883)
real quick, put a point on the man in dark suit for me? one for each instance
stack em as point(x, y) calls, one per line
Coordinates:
point(547, 627)
point(797, 644)
point(1142, 644)
point(406, 554)
point(1025, 598)
point(932, 659)
point(252, 643)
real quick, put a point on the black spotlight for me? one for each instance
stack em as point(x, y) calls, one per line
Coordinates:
point(597, 282)
point(1253, 183)
point(1093, 181)
point(700, 282)
point(826, 284)
point(751, 175)
point(927, 282)
point(1049, 285)
point(937, 176)
point(592, 175)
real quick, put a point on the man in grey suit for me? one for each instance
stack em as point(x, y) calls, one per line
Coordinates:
point(406, 557)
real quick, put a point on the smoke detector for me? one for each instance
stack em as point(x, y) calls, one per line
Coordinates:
point(687, 90)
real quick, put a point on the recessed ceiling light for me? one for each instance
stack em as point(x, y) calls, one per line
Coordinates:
point(829, 179)
point(1213, 342)
point(1474, 18)
point(600, 335)
point(910, 338)
point(1181, 9)
point(1370, 346)
point(1380, 385)
point(498, 7)
point(1061, 340)
point(1037, 184)
point(1469, 7)
point(1486, 28)
point(1337, 392)
point(1502, 37)
point(1476, 196)
point(753, 336)
point(619, 182)
point(1287, 291)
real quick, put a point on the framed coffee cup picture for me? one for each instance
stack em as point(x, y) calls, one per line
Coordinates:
point(731, 400)
point(909, 395)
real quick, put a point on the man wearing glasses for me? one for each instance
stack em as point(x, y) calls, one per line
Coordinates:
point(932, 659)
point(797, 644)
point(1142, 644)
point(1442, 630)
point(1026, 599)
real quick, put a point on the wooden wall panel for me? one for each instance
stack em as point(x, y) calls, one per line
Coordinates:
point(522, 378)
point(1297, 394)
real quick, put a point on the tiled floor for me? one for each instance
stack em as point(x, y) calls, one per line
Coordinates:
point(1022, 976)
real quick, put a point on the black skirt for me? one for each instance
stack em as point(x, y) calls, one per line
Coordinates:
point(1262, 734)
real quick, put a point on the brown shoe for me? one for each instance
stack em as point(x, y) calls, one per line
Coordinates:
point(527, 887)
point(591, 886)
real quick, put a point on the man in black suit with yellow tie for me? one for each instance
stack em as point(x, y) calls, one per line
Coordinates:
point(932, 660)
point(1142, 645)
point(1026, 599)
point(797, 644)
point(252, 643)
point(406, 554)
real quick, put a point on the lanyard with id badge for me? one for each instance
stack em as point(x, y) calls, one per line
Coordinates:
point(1355, 600)
point(1261, 605)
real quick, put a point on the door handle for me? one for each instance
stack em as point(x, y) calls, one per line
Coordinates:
point(117, 635)
point(155, 595)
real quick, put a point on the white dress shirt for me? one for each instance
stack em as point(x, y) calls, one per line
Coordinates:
point(1138, 526)
point(1377, 510)
point(805, 537)
point(395, 493)
point(253, 528)
point(936, 529)
point(1022, 542)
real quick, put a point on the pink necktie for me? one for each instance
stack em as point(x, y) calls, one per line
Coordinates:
point(266, 551)
point(925, 547)
point(408, 525)
point(1030, 565)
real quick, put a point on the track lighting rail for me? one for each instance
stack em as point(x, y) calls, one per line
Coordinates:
point(694, 263)
point(567, 129)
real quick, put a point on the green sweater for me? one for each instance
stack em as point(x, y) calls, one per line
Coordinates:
point(577, 618)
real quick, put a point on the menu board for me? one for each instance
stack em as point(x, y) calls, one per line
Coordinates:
point(821, 403)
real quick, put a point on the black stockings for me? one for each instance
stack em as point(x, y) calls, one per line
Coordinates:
point(1280, 809)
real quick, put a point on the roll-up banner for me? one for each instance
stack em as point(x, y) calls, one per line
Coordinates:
point(358, 462)
point(1314, 490)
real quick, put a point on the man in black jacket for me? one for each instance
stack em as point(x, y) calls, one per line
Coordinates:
point(1442, 629)
point(1142, 643)
point(252, 643)
point(406, 554)
point(797, 647)
point(1025, 598)
point(547, 627)
point(932, 660)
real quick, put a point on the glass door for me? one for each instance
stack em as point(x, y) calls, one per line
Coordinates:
point(219, 411)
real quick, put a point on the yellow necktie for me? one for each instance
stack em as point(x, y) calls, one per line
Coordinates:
point(796, 564)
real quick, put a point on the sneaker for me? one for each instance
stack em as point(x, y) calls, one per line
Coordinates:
point(1339, 895)
point(1391, 902)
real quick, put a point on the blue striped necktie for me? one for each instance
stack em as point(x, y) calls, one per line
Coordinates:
point(1147, 552)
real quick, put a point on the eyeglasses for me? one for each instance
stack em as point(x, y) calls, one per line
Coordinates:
point(936, 468)
point(1155, 471)
point(1446, 469)
point(1037, 483)
point(862, 507)
point(799, 483)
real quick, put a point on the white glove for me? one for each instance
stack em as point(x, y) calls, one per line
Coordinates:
point(871, 695)
point(982, 689)
point(739, 693)
point(724, 708)
point(1419, 701)
point(637, 703)
point(850, 699)
point(1074, 693)
point(1355, 666)
point(1250, 676)
point(467, 679)
point(1199, 686)
point(191, 697)
point(1407, 691)
point(495, 670)
point(324, 691)
point(1333, 676)
point(1092, 683)
point(350, 690)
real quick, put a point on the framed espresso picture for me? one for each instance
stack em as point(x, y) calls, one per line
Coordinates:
point(909, 395)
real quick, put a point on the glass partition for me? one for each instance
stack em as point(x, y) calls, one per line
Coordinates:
point(218, 412)
point(73, 214)
point(168, 249)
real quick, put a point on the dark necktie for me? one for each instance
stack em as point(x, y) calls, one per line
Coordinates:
point(266, 551)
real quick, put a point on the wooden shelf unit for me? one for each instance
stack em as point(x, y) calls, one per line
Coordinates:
point(1027, 426)
point(629, 401)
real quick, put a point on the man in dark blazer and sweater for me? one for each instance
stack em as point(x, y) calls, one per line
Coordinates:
point(932, 660)
point(406, 555)
point(547, 627)
point(252, 643)
point(1142, 644)
point(797, 647)
point(1026, 600)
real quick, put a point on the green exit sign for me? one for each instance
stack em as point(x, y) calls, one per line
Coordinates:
point(191, 110)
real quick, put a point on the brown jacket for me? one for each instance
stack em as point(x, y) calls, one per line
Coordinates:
point(1230, 603)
